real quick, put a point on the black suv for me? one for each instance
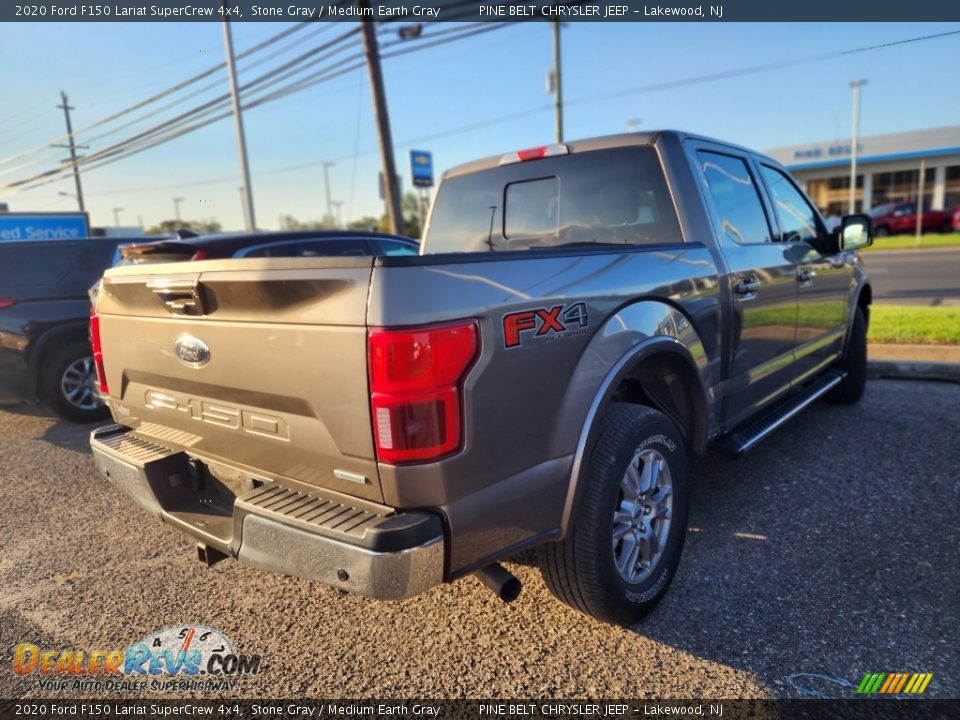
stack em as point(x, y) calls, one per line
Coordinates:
point(44, 323)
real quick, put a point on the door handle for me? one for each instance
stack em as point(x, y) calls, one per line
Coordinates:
point(747, 289)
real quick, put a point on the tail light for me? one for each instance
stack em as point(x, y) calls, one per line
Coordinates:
point(97, 352)
point(416, 389)
point(201, 254)
point(7, 302)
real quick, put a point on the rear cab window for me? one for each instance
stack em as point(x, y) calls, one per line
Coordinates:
point(616, 196)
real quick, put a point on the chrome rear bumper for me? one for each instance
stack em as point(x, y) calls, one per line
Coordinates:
point(362, 548)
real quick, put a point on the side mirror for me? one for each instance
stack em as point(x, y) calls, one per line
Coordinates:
point(855, 232)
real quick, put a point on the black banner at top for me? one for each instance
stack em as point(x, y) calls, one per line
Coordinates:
point(423, 11)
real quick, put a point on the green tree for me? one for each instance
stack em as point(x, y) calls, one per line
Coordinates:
point(289, 222)
point(412, 217)
point(167, 227)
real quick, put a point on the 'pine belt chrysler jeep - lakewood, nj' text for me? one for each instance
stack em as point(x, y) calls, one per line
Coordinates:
point(582, 317)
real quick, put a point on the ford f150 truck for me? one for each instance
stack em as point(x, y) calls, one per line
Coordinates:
point(582, 317)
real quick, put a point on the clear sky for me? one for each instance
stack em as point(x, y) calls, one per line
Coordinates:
point(451, 100)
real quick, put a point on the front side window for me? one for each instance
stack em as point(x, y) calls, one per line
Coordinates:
point(735, 198)
point(798, 221)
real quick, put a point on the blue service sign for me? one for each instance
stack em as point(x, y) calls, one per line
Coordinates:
point(421, 168)
point(43, 226)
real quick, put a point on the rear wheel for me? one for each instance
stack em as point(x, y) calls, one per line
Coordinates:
point(854, 364)
point(624, 547)
point(67, 384)
point(882, 231)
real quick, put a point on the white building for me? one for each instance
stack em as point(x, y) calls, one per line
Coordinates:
point(888, 169)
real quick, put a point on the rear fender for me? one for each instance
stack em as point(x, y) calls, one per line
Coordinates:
point(633, 334)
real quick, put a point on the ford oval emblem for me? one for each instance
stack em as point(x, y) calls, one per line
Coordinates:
point(192, 352)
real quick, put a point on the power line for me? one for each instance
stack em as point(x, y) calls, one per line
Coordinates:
point(128, 147)
point(166, 92)
point(176, 127)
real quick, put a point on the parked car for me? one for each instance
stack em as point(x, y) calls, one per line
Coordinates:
point(44, 316)
point(301, 243)
point(584, 317)
point(894, 218)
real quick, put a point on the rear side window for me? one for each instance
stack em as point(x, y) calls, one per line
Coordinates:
point(735, 197)
point(602, 197)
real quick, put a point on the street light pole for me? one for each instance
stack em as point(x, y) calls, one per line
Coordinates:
point(249, 218)
point(326, 185)
point(116, 216)
point(176, 206)
point(854, 139)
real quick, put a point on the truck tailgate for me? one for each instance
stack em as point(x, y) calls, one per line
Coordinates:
point(258, 364)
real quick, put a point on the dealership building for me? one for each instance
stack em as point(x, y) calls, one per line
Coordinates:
point(888, 169)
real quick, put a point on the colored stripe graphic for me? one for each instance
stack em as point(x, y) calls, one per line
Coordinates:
point(903, 681)
point(894, 683)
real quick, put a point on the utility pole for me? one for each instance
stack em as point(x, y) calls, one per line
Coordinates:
point(73, 148)
point(390, 184)
point(854, 139)
point(116, 216)
point(557, 81)
point(249, 218)
point(326, 184)
point(176, 207)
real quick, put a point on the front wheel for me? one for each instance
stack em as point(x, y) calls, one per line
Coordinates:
point(620, 556)
point(853, 363)
point(67, 384)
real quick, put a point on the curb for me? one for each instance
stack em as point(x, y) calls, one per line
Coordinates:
point(902, 370)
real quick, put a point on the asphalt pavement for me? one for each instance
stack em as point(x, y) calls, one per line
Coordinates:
point(827, 553)
point(915, 277)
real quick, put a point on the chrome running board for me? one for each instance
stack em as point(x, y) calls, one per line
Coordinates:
point(745, 437)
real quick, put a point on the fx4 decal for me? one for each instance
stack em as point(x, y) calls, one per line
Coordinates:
point(547, 323)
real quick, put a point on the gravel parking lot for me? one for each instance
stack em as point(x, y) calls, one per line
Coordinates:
point(827, 553)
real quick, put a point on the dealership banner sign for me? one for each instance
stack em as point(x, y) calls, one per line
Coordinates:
point(16, 227)
point(459, 11)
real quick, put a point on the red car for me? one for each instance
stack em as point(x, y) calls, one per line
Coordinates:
point(894, 218)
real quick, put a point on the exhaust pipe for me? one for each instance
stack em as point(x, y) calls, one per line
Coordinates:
point(208, 555)
point(500, 581)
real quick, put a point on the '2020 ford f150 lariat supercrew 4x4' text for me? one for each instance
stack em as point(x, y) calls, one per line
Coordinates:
point(582, 317)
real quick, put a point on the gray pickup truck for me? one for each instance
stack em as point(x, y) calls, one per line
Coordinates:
point(582, 317)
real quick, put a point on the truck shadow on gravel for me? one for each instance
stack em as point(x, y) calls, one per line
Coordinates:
point(60, 433)
point(821, 554)
point(811, 553)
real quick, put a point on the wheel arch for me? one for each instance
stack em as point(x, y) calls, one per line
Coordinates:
point(49, 342)
point(659, 361)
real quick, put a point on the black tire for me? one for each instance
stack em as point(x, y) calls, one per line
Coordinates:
point(50, 384)
point(947, 226)
point(854, 363)
point(881, 231)
point(582, 570)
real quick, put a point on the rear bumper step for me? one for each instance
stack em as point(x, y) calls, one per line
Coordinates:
point(371, 550)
